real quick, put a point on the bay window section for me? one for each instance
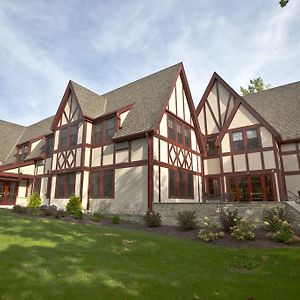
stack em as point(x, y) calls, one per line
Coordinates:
point(110, 129)
point(179, 132)
point(188, 137)
point(171, 129)
point(63, 140)
point(50, 145)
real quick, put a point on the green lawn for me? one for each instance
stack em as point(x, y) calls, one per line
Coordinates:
point(49, 259)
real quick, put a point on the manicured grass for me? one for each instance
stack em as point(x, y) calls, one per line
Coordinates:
point(50, 259)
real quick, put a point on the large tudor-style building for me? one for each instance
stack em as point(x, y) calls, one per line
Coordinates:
point(145, 142)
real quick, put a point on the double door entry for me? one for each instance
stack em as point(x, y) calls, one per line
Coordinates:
point(8, 192)
point(250, 188)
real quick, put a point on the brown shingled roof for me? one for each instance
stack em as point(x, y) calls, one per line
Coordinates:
point(9, 136)
point(280, 107)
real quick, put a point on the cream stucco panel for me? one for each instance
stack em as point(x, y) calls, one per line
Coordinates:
point(87, 157)
point(227, 165)
point(290, 162)
point(163, 126)
point(172, 102)
point(108, 154)
point(179, 98)
point(155, 183)
point(164, 151)
point(89, 127)
point(211, 166)
point(187, 112)
point(193, 140)
point(288, 147)
point(293, 183)
point(122, 156)
point(211, 125)
point(254, 160)
point(85, 188)
point(201, 121)
point(56, 139)
point(96, 157)
point(139, 149)
point(243, 118)
point(239, 162)
point(225, 144)
point(78, 157)
point(155, 148)
point(29, 170)
point(269, 159)
point(266, 137)
point(123, 117)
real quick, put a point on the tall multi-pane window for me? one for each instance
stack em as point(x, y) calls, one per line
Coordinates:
point(181, 184)
point(73, 134)
point(252, 139)
point(104, 131)
point(179, 132)
point(171, 129)
point(63, 140)
point(237, 139)
point(103, 184)
point(65, 185)
point(49, 145)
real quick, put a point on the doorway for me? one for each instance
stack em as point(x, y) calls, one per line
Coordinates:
point(8, 192)
point(251, 188)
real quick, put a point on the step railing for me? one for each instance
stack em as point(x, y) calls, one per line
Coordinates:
point(292, 197)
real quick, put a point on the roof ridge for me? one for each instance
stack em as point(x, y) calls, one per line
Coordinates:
point(12, 123)
point(142, 78)
point(273, 88)
point(73, 82)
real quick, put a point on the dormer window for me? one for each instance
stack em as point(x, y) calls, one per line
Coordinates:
point(49, 145)
point(104, 131)
point(23, 151)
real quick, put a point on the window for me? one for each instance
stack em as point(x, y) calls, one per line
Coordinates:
point(238, 143)
point(49, 182)
point(50, 145)
point(63, 141)
point(121, 146)
point(37, 185)
point(110, 129)
point(211, 146)
point(103, 184)
point(104, 131)
point(171, 129)
point(23, 151)
point(98, 134)
point(65, 185)
point(252, 139)
point(187, 137)
point(245, 139)
point(179, 132)
point(181, 184)
point(73, 134)
point(213, 186)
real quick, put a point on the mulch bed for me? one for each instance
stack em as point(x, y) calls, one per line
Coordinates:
point(172, 231)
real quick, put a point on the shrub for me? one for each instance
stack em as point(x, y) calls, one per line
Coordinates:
point(34, 211)
point(97, 217)
point(273, 218)
point(115, 219)
point(244, 230)
point(60, 213)
point(228, 218)
point(74, 204)
point(284, 233)
point(210, 231)
point(152, 219)
point(186, 220)
point(78, 214)
point(34, 201)
point(20, 209)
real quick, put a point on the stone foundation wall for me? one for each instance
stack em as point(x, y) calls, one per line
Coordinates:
point(252, 210)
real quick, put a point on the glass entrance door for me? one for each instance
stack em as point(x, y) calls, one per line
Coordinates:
point(257, 193)
point(243, 189)
point(8, 193)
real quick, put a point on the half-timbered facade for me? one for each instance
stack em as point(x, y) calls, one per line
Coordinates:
point(245, 157)
point(145, 143)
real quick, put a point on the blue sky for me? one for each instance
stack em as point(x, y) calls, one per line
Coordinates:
point(105, 44)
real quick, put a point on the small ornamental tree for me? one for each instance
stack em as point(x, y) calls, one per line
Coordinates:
point(74, 204)
point(34, 201)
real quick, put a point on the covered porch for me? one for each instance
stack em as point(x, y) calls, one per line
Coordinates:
point(13, 186)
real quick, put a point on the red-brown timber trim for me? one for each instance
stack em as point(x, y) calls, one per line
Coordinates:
point(150, 172)
point(15, 175)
